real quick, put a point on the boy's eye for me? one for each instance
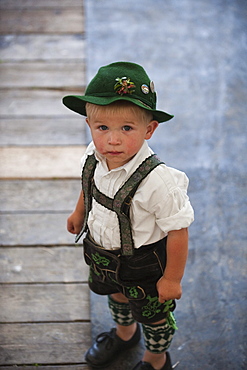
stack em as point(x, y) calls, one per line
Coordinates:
point(103, 128)
point(127, 128)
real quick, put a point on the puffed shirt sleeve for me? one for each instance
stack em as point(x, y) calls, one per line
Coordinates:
point(173, 209)
point(164, 195)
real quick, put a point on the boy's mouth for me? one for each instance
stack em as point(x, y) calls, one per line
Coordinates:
point(114, 153)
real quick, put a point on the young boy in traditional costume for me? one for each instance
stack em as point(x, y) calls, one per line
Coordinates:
point(136, 213)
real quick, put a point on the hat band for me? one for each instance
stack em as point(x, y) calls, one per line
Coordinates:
point(145, 102)
point(148, 106)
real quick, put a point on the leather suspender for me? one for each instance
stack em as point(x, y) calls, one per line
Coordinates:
point(121, 202)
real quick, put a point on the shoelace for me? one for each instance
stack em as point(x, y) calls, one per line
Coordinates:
point(106, 336)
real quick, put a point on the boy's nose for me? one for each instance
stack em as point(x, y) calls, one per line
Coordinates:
point(114, 138)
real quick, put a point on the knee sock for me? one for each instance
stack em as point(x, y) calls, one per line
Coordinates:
point(158, 337)
point(121, 312)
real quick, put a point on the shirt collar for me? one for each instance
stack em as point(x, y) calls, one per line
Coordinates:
point(140, 156)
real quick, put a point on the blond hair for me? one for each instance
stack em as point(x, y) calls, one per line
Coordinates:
point(119, 107)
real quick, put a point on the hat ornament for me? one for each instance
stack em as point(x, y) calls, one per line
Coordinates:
point(124, 86)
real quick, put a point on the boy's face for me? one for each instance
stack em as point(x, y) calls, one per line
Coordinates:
point(119, 135)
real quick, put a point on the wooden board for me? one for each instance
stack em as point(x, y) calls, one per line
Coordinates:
point(43, 131)
point(34, 229)
point(51, 20)
point(46, 343)
point(46, 195)
point(30, 4)
point(44, 297)
point(42, 47)
point(41, 162)
point(44, 302)
point(42, 265)
point(43, 74)
point(35, 103)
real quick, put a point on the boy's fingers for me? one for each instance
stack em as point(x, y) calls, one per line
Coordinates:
point(70, 228)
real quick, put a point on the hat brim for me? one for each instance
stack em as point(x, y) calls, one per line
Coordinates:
point(77, 103)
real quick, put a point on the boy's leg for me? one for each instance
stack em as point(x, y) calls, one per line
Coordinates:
point(109, 345)
point(121, 314)
point(157, 338)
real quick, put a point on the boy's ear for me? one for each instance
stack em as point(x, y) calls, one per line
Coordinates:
point(151, 127)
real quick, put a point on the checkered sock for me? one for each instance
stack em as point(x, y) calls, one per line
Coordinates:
point(158, 337)
point(121, 312)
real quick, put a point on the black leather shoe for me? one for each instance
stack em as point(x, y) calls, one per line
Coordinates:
point(142, 365)
point(108, 346)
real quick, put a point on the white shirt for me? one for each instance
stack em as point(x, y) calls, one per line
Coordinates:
point(160, 204)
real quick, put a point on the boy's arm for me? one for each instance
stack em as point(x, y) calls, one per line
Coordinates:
point(75, 220)
point(169, 286)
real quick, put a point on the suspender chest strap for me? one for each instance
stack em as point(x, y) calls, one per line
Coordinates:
point(121, 202)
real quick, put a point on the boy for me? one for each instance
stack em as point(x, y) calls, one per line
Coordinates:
point(136, 212)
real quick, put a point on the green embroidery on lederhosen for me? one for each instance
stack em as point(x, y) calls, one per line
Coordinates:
point(133, 292)
point(86, 182)
point(100, 260)
point(169, 305)
point(152, 307)
point(171, 321)
point(90, 278)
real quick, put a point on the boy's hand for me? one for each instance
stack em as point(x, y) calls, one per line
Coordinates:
point(75, 222)
point(168, 289)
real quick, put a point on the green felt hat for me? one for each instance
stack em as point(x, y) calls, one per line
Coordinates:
point(118, 81)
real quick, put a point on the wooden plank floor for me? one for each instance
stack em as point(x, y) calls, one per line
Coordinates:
point(44, 298)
